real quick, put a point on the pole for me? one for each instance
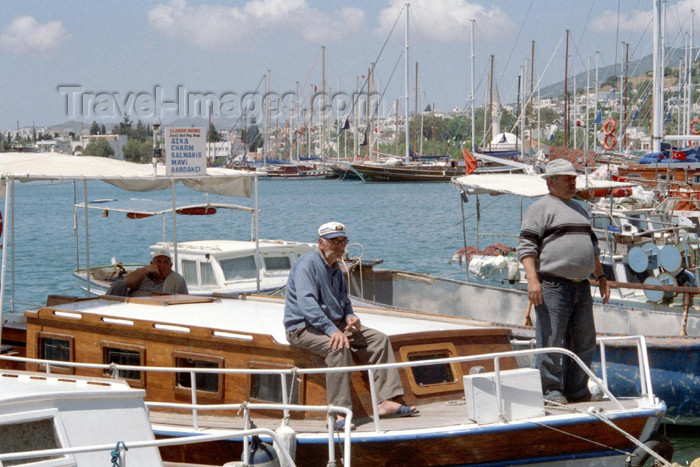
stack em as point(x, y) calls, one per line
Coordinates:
point(405, 57)
point(473, 97)
point(566, 92)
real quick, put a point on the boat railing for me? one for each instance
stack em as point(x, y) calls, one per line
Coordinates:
point(115, 451)
point(497, 357)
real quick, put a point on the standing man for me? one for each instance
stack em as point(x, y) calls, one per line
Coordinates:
point(318, 317)
point(559, 252)
point(157, 277)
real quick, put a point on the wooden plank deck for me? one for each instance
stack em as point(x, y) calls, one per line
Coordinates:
point(434, 415)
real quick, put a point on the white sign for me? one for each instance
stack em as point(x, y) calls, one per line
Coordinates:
point(185, 151)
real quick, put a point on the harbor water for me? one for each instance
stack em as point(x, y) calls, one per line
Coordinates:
point(410, 226)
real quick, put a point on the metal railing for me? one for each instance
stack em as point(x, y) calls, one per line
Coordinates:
point(285, 406)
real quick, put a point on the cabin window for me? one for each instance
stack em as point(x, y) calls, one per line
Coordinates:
point(278, 263)
point(239, 268)
point(430, 379)
point(268, 387)
point(29, 435)
point(206, 383)
point(189, 271)
point(207, 274)
point(56, 347)
point(122, 354)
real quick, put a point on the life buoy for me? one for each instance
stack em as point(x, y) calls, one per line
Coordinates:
point(693, 129)
point(660, 444)
point(609, 127)
point(609, 142)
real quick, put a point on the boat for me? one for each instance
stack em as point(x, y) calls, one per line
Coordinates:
point(214, 266)
point(218, 363)
point(396, 170)
point(59, 419)
point(61, 415)
point(291, 171)
point(495, 293)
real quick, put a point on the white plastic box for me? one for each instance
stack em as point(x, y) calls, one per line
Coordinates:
point(521, 393)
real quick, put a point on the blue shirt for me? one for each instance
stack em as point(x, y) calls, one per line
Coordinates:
point(316, 295)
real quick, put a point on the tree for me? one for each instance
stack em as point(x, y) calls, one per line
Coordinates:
point(99, 147)
point(124, 127)
point(94, 128)
point(213, 135)
point(138, 151)
point(141, 132)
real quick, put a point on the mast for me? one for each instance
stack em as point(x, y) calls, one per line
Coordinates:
point(322, 113)
point(532, 92)
point(472, 92)
point(405, 58)
point(490, 101)
point(658, 77)
point(415, 111)
point(566, 92)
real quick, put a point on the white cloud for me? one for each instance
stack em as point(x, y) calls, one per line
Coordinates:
point(446, 20)
point(25, 35)
point(221, 27)
point(628, 21)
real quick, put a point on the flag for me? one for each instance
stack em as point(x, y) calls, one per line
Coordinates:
point(346, 126)
point(678, 155)
point(469, 161)
point(598, 117)
point(364, 143)
point(315, 88)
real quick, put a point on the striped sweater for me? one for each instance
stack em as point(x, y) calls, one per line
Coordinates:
point(559, 235)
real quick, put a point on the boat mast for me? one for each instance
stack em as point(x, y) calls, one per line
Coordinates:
point(658, 76)
point(406, 97)
point(473, 98)
point(566, 92)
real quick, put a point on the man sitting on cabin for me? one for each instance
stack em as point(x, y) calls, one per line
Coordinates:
point(318, 317)
point(157, 277)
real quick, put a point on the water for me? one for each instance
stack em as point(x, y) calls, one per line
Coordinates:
point(411, 226)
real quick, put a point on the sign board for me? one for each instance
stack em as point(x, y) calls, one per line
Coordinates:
point(185, 151)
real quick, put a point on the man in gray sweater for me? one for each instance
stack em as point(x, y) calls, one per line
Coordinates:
point(559, 252)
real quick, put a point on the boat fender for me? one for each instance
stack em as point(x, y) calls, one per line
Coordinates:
point(262, 454)
point(513, 272)
point(658, 443)
point(288, 438)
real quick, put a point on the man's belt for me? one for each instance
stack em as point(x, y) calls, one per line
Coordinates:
point(552, 278)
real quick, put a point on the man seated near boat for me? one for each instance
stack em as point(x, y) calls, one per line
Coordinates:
point(156, 278)
point(318, 317)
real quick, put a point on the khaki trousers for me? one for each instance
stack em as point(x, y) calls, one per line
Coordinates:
point(368, 346)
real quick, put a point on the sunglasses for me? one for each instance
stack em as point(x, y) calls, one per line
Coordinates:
point(337, 241)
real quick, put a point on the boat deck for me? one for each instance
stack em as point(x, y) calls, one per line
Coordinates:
point(432, 416)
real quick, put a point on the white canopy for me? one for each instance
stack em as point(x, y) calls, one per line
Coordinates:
point(125, 175)
point(530, 186)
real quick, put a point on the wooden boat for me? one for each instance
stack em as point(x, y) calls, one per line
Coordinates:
point(210, 364)
point(208, 266)
point(291, 171)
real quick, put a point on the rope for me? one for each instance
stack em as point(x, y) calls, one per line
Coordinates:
point(597, 414)
point(116, 454)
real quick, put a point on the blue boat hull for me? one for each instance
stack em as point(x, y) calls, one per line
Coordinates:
point(674, 377)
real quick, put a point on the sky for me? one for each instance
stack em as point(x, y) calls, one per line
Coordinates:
point(95, 61)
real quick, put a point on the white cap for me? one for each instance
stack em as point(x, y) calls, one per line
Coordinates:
point(332, 230)
point(559, 167)
point(161, 252)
